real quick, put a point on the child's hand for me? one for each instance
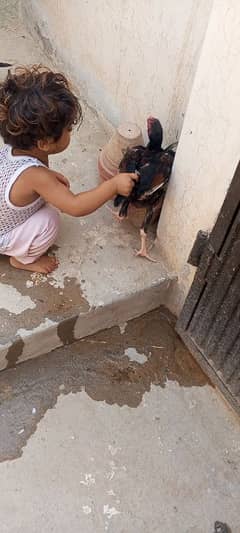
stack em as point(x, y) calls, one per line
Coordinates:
point(125, 183)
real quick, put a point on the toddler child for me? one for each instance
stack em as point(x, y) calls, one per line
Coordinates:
point(37, 113)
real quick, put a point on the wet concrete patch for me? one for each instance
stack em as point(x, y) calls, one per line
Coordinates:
point(45, 300)
point(99, 365)
point(65, 330)
point(14, 352)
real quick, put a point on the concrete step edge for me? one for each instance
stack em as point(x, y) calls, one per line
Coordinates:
point(52, 334)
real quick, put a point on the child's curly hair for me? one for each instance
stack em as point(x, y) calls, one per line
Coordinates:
point(36, 104)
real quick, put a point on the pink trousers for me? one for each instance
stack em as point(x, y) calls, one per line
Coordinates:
point(33, 238)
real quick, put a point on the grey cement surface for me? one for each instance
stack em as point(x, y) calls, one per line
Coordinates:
point(120, 432)
point(99, 282)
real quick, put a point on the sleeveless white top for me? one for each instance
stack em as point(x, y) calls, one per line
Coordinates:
point(11, 166)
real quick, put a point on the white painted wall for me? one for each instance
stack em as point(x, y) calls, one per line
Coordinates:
point(131, 58)
point(209, 147)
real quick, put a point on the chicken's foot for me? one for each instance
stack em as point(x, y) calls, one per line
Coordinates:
point(143, 250)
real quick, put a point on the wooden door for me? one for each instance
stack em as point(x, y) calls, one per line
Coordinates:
point(209, 323)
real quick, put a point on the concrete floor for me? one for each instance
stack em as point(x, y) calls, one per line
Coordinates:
point(120, 432)
point(99, 282)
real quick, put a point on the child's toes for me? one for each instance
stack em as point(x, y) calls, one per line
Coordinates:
point(46, 264)
point(52, 265)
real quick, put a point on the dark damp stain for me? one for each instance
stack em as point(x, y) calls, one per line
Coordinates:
point(65, 330)
point(14, 352)
point(99, 365)
point(51, 302)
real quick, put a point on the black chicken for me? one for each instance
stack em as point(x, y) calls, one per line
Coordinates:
point(153, 165)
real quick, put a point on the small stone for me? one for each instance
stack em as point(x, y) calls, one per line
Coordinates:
point(110, 511)
point(111, 493)
point(86, 509)
point(122, 328)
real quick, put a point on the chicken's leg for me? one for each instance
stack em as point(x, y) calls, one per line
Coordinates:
point(115, 214)
point(143, 250)
point(123, 212)
point(143, 234)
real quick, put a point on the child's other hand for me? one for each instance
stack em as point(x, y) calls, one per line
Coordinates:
point(62, 179)
point(125, 183)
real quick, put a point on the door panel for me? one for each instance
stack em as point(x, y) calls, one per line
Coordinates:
point(210, 320)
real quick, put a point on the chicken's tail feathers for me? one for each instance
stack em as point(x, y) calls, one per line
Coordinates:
point(171, 148)
point(118, 200)
point(124, 208)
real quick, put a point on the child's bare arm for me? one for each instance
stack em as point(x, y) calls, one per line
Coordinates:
point(47, 184)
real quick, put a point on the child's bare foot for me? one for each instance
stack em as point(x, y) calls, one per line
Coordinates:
point(44, 265)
